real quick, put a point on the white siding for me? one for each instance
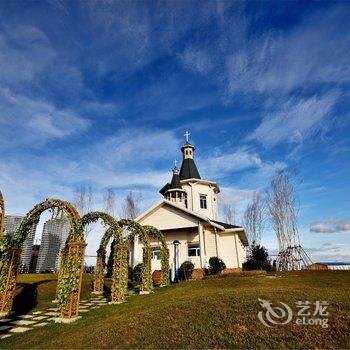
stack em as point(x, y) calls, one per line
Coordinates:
point(167, 218)
point(231, 250)
point(194, 190)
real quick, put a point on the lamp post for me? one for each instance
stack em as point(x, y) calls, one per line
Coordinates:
point(176, 260)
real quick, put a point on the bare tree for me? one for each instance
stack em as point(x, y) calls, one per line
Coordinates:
point(254, 218)
point(283, 208)
point(229, 213)
point(130, 208)
point(83, 199)
point(109, 200)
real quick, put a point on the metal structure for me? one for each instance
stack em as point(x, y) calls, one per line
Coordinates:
point(283, 207)
point(293, 258)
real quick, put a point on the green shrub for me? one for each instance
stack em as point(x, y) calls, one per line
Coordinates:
point(216, 265)
point(258, 259)
point(185, 271)
point(136, 273)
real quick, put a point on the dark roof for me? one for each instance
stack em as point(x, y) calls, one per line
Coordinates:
point(164, 188)
point(225, 225)
point(175, 181)
point(189, 170)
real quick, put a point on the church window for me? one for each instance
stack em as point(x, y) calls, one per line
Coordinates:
point(194, 250)
point(156, 253)
point(203, 201)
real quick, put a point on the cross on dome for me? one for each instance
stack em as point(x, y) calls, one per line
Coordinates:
point(187, 134)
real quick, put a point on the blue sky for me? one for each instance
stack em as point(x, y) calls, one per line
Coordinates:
point(100, 93)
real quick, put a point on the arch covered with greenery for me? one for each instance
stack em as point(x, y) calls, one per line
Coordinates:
point(120, 256)
point(135, 229)
point(153, 232)
point(2, 216)
point(69, 284)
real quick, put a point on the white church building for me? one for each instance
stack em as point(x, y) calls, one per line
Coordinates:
point(188, 218)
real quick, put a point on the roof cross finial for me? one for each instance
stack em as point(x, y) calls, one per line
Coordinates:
point(175, 163)
point(187, 134)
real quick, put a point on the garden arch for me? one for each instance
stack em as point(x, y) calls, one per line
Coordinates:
point(153, 232)
point(69, 284)
point(135, 229)
point(120, 256)
point(2, 216)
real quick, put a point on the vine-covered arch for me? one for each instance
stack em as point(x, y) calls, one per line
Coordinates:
point(135, 229)
point(69, 284)
point(120, 257)
point(101, 262)
point(153, 232)
point(2, 216)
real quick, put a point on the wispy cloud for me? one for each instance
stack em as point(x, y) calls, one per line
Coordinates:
point(295, 121)
point(197, 61)
point(130, 159)
point(315, 51)
point(221, 163)
point(30, 122)
point(330, 226)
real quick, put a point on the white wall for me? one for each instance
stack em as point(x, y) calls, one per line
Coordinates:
point(184, 237)
point(194, 190)
point(231, 250)
point(226, 248)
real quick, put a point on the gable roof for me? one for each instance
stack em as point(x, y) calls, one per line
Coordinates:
point(222, 226)
point(225, 225)
point(189, 212)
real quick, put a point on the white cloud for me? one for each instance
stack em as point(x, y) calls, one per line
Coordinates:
point(126, 161)
point(25, 121)
point(238, 198)
point(25, 52)
point(330, 226)
point(314, 51)
point(223, 163)
point(196, 61)
point(295, 121)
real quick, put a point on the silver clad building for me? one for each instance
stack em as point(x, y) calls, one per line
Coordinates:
point(55, 234)
point(11, 224)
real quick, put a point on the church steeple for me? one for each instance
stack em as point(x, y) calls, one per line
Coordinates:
point(174, 191)
point(188, 167)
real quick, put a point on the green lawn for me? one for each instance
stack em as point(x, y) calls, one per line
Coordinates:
point(213, 313)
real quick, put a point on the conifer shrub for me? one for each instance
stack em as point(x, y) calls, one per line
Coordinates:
point(258, 259)
point(216, 265)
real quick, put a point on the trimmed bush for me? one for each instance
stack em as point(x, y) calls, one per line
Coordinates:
point(216, 265)
point(137, 273)
point(186, 269)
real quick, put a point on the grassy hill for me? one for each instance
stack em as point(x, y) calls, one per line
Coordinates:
point(213, 313)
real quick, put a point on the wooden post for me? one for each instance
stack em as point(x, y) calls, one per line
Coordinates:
point(99, 275)
point(8, 293)
point(59, 274)
point(70, 311)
